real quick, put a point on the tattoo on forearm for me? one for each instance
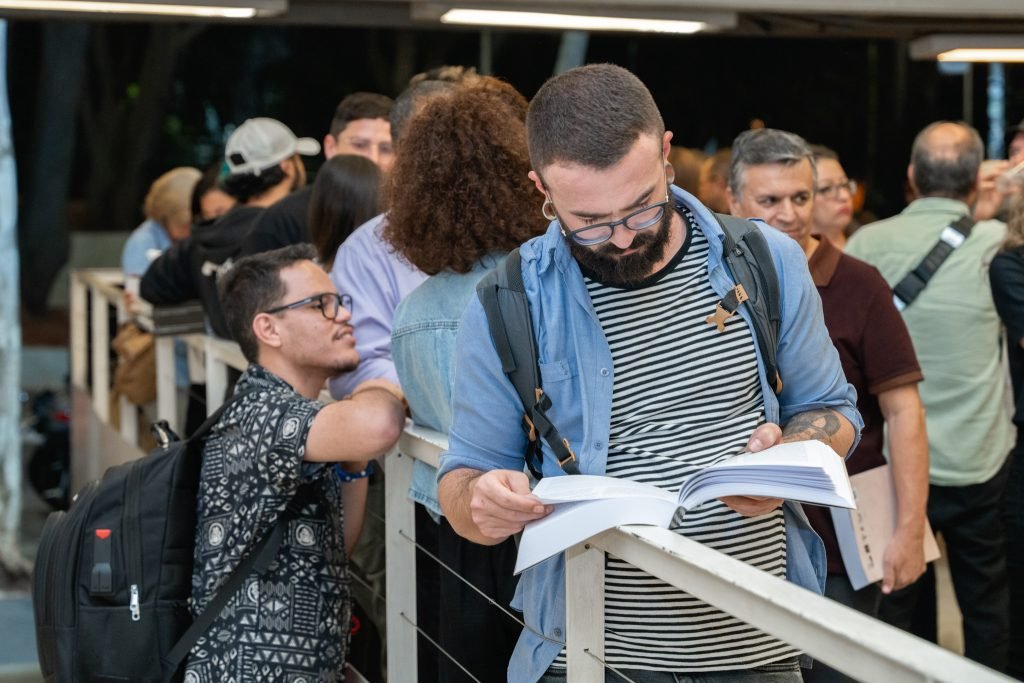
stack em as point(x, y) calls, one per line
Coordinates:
point(822, 425)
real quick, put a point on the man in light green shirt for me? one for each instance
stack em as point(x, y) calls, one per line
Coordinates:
point(957, 335)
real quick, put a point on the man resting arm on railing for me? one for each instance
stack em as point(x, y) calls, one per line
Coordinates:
point(276, 450)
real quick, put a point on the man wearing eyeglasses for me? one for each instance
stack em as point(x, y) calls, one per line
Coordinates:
point(274, 444)
point(773, 177)
point(641, 386)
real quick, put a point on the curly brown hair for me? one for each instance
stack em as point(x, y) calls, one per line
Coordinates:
point(459, 188)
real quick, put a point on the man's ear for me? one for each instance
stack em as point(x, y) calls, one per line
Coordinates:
point(666, 145)
point(538, 183)
point(910, 178)
point(264, 328)
point(330, 146)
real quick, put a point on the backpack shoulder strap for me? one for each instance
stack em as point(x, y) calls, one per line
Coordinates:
point(502, 294)
point(258, 560)
point(914, 282)
point(749, 259)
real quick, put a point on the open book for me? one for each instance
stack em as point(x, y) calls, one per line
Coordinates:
point(585, 505)
point(864, 533)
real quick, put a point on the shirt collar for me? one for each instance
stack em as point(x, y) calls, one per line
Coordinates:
point(257, 376)
point(937, 204)
point(823, 262)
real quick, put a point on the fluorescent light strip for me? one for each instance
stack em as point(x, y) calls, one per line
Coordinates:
point(478, 17)
point(130, 8)
point(967, 54)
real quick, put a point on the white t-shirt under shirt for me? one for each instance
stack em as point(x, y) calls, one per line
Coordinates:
point(685, 396)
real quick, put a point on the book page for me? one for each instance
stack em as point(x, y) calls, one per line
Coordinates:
point(573, 523)
point(551, 490)
point(804, 471)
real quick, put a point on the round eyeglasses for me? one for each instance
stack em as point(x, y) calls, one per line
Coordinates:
point(328, 303)
point(832, 191)
point(641, 219)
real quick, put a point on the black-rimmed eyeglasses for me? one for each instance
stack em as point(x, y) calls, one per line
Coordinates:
point(641, 219)
point(328, 303)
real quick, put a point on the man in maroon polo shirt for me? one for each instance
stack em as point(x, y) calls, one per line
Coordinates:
point(772, 177)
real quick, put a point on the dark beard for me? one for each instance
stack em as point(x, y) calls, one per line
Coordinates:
point(607, 265)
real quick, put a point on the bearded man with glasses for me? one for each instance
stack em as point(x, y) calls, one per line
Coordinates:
point(620, 289)
point(277, 450)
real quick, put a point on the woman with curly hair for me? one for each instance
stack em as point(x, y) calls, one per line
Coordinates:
point(460, 199)
point(1007, 277)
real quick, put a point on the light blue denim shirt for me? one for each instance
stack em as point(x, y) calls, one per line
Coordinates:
point(577, 373)
point(423, 338)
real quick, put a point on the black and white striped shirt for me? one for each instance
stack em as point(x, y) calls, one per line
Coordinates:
point(684, 397)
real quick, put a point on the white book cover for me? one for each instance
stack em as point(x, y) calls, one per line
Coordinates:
point(864, 533)
point(585, 505)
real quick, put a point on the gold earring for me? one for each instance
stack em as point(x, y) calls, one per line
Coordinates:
point(548, 210)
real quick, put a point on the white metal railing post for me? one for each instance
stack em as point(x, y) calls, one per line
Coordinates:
point(400, 567)
point(584, 613)
point(166, 384)
point(216, 378)
point(126, 410)
point(100, 355)
point(79, 335)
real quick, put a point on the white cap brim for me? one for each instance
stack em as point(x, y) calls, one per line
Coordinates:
point(307, 147)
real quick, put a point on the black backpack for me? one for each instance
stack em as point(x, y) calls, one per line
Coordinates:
point(113, 577)
point(503, 296)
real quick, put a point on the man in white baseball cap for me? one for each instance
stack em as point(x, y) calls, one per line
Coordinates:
point(263, 150)
point(264, 163)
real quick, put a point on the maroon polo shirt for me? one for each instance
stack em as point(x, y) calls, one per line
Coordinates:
point(875, 350)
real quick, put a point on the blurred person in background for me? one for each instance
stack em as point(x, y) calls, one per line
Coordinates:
point(957, 336)
point(832, 216)
point(772, 178)
point(1007, 277)
point(168, 220)
point(687, 164)
point(368, 268)
point(209, 200)
point(344, 196)
point(265, 162)
point(456, 238)
point(713, 186)
point(361, 127)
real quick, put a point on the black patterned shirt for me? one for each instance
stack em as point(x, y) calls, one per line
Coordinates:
point(291, 624)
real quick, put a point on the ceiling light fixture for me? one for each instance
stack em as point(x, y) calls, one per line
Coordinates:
point(220, 9)
point(571, 22)
point(969, 48)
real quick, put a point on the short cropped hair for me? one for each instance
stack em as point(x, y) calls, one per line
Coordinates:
point(938, 174)
point(252, 286)
point(592, 116)
point(360, 105)
point(766, 146)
